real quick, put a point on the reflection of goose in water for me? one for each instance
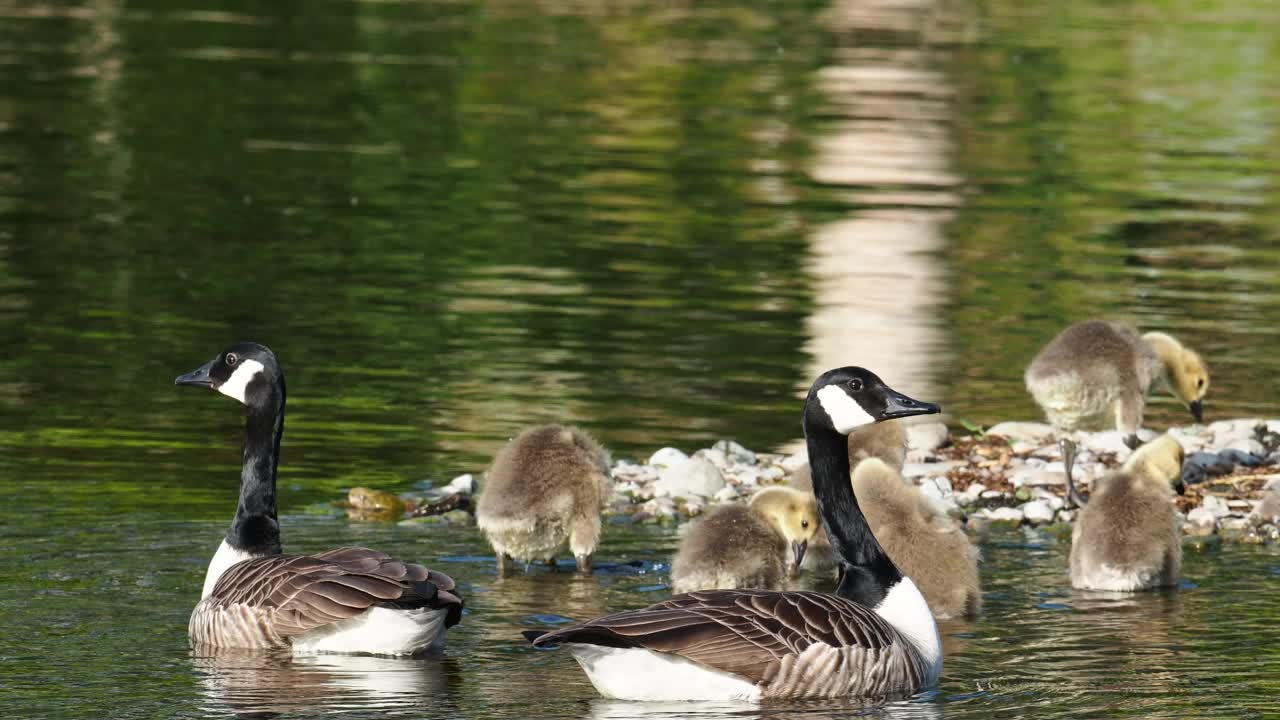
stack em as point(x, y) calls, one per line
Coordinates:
point(257, 683)
point(602, 709)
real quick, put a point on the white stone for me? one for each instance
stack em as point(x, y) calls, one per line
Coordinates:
point(992, 494)
point(1200, 522)
point(1246, 444)
point(745, 474)
point(1066, 516)
point(667, 457)
point(1037, 512)
point(1003, 514)
point(1036, 477)
point(772, 474)
point(971, 494)
point(932, 469)
point(1032, 432)
point(792, 463)
point(464, 484)
point(726, 494)
point(717, 457)
point(735, 452)
point(693, 477)
point(1232, 427)
point(1112, 441)
point(1215, 505)
point(926, 436)
point(938, 491)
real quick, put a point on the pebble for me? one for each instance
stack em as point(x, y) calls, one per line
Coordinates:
point(735, 452)
point(1200, 522)
point(1030, 432)
point(930, 469)
point(694, 477)
point(1037, 512)
point(1215, 505)
point(667, 457)
point(938, 490)
point(971, 494)
point(1003, 514)
point(464, 484)
point(1036, 477)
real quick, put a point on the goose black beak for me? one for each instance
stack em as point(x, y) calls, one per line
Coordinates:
point(898, 405)
point(1197, 410)
point(199, 376)
point(798, 549)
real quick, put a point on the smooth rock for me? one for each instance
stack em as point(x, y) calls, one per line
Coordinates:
point(1003, 514)
point(1066, 516)
point(716, 456)
point(993, 494)
point(1037, 512)
point(1031, 432)
point(932, 469)
point(464, 484)
point(457, 517)
point(693, 477)
point(1200, 522)
point(667, 457)
point(971, 494)
point(1112, 441)
point(1215, 505)
point(925, 437)
point(735, 452)
point(938, 491)
point(726, 494)
point(794, 462)
point(1036, 477)
point(772, 474)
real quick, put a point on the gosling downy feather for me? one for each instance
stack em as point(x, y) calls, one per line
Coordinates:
point(886, 441)
point(1095, 375)
point(546, 487)
point(925, 543)
point(347, 600)
point(874, 638)
point(1127, 536)
point(746, 546)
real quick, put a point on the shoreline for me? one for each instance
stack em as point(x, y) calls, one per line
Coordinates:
point(1009, 474)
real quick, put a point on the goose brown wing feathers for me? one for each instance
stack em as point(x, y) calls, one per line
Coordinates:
point(302, 592)
point(744, 632)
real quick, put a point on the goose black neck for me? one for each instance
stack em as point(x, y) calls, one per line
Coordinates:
point(866, 572)
point(255, 528)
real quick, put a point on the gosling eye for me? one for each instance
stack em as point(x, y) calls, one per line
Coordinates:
point(232, 359)
point(855, 385)
point(1200, 383)
point(804, 524)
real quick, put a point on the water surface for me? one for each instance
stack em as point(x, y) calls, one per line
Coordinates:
point(453, 220)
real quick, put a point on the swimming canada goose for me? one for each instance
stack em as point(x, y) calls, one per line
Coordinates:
point(1127, 536)
point(745, 546)
point(924, 542)
point(874, 637)
point(884, 440)
point(347, 600)
point(1095, 375)
point(545, 487)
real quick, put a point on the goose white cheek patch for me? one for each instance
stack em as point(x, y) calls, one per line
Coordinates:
point(845, 412)
point(235, 385)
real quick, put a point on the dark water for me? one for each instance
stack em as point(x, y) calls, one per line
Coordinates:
point(658, 221)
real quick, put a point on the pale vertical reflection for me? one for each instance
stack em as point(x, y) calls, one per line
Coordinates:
point(878, 279)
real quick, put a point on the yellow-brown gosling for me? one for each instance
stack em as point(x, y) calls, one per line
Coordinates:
point(1127, 535)
point(1095, 375)
point(745, 546)
point(924, 542)
point(545, 488)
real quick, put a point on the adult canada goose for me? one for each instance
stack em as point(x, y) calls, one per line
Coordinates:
point(1127, 536)
point(545, 487)
point(874, 637)
point(884, 440)
point(348, 600)
point(745, 546)
point(1096, 374)
point(922, 540)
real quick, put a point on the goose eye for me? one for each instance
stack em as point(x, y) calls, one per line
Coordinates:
point(855, 385)
point(232, 359)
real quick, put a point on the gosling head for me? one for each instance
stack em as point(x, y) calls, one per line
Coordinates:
point(245, 371)
point(794, 513)
point(1159, 460)
point(1188, 375)
point(851, 397)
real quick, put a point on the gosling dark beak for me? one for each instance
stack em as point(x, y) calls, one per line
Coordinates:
point(1197, 410)
point(798, 548)
point(199, 376)
point(898, 405)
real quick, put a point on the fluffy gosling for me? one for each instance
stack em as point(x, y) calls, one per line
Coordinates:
point(1095, 375)
point(545, 487)
point(1127, 536)
point(925, 543)
point(745, 546)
